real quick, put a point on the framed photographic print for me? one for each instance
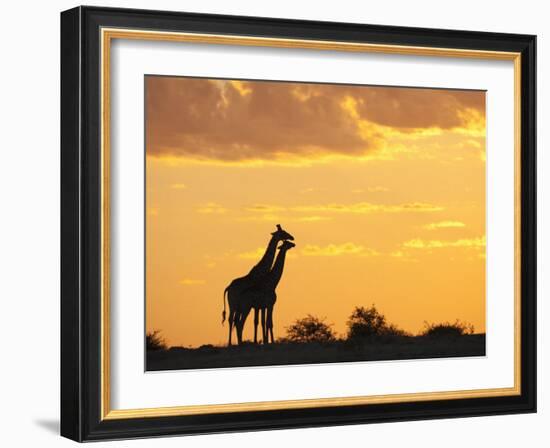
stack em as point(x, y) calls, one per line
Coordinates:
point(273, 223)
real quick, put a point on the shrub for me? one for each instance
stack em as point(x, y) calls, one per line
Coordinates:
point(154, 341)
point(368, 322)
point(447, 329)
point(394, 330)
point(310, 329)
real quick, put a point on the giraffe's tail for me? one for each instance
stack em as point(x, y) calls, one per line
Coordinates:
point(223, 312)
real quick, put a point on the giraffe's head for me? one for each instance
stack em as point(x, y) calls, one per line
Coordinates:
point(287, 245)
point(282, 235)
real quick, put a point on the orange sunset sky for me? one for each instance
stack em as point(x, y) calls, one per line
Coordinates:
point(383, 189)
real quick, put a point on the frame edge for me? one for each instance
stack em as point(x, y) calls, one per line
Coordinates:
point(529, 223)
point(71, 350)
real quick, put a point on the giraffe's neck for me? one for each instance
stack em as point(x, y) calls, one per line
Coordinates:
point(264, 265)
point(277, 271)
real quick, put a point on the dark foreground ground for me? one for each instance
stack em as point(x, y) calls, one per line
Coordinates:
point(282, 353)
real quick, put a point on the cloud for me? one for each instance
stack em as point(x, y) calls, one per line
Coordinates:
point(178, 186)
point(367, 207)
point(212, 208)
point(375, 189)
point(190, 282)
point(272, 212)
point(311, 190)
point(252, 254)
point(276, 218)
point(444, 225)
point(417, 243)
point(265, 208)
point(261, 218)
point(333, 250)
point(312, 218)
point(319, 212)
point(398, 254)
point(205, 120)
point(413, 108)
point(230, 121)
point(403, 256)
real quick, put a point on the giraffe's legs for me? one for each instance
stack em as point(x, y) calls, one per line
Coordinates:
point(231, 321)
point(239, 327)
point(264, 329)
point(269, 324)
point(242, 319)
point(256, 319)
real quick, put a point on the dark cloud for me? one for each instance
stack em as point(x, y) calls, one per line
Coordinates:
point(418, 108)
point(205, 119)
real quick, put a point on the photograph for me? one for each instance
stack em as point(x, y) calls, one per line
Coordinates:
point(304, 223)
point(273, 222)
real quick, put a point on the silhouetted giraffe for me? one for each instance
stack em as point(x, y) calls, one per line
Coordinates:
point(236, 288)
point(262, 296)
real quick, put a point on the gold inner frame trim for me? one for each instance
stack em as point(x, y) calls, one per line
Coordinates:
point(107, 35)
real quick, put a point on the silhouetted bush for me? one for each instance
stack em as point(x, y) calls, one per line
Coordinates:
point(154, 341)
point(209, 348)
point(447, 329)
point(368, 322)
point(394, 330)
point(310, 329)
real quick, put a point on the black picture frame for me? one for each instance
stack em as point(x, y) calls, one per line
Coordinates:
point(81, 211)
